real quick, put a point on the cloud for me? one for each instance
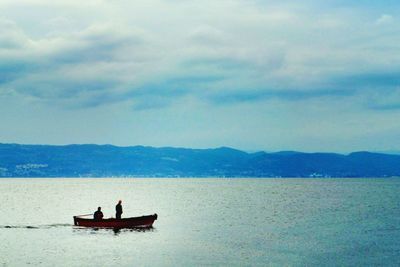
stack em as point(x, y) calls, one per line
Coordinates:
point(385, 100)
point(66, 66)
point(241, 96)
point(207, 35)
point(373, 80)
point(11, 37)
point(384, 19)
point(219, 52)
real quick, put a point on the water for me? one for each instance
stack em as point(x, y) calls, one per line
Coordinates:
point(229, 222)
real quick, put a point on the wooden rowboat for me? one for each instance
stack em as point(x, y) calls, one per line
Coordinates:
point(133, 222)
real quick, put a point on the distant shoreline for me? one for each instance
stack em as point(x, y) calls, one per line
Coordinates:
point(96, 161)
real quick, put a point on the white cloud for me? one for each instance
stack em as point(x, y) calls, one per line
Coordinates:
point(384, 19)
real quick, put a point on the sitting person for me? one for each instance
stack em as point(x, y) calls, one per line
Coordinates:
point(98, 215)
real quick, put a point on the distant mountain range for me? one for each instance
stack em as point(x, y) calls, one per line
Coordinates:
point(139, 161)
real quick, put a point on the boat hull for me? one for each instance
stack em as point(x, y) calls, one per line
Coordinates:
point(133, 222)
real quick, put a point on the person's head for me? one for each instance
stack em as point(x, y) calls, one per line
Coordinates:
point(119, 202)
point(99, 208)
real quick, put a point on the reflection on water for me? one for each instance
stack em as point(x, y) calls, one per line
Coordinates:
point(116, 231)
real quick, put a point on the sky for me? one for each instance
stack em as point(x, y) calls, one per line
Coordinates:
point(250, 74)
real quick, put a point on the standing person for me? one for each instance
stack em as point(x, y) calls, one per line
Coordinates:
point(98, 215)
point(118, 210)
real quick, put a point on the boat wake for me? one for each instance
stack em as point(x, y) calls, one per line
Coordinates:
point(78, 229)
point(43, 226)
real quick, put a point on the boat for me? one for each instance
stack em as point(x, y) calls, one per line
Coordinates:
point(145, 221)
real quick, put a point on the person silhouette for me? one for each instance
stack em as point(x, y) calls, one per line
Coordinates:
point(98, 215)
point(118, 210)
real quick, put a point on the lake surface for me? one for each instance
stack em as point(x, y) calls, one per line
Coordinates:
point(228, 222)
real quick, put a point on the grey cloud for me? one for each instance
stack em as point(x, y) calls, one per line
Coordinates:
point(291, 94)
point(252, 55)
point(378, 90)
point(59, 88)
point(11, 37)
point(93, 45)
point(11, 70)
point(55, 69)
point(385, 107)
point(384, 99)
point(207, 35)
point(153, 103)
point(375, 90)
point(378, 79)
point(221, 63)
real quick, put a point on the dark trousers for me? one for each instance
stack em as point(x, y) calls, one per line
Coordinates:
point(118, 215)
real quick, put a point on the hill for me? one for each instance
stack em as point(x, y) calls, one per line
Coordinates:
point(139, 161)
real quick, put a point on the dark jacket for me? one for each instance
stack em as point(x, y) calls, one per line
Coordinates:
point(118, 209)
point(98, 215)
